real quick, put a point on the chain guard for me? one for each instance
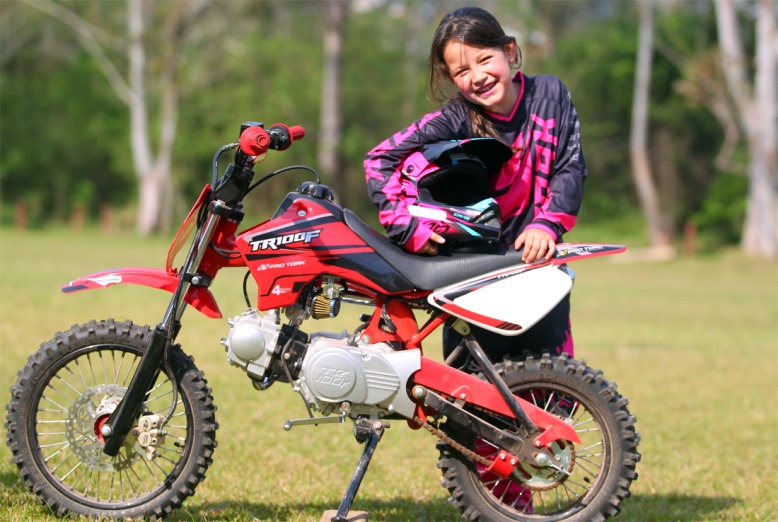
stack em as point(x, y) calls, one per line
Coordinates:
point(530, 476)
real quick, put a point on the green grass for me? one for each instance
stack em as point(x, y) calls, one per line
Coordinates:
point(692, 343)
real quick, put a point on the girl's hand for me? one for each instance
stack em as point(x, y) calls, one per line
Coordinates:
point(537, 243)
point(431, 246)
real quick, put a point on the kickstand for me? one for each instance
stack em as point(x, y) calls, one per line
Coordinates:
point(370, 432)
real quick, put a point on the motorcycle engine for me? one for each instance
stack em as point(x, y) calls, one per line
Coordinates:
point(371, 378)
point(330, 372)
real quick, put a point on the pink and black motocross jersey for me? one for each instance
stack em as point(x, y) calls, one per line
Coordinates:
point(541, 186)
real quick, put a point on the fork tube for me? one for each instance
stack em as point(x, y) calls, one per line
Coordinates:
point(121, 420)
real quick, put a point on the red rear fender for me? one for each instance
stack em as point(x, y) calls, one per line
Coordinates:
point(201, 298)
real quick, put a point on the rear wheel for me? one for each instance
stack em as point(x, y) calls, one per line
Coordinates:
point(585, 481)
point(65, 394)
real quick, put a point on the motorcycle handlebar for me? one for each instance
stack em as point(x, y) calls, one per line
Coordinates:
point(255, 141)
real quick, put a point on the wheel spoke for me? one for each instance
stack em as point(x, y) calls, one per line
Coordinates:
point(583, 466)
point(110, 487)
point(151, 472)
point(549, 401)
point(91, 367)
point(597, 444)
point(81, 373)
point(577, 425)
point(155, 388)
point(137, 478)
point(53, 444)
point(78, 479)
point(66, 475)
point(67, 457)
point(131, 371)
point(151, 399)
point(567, 483)
point(62, 408)
point(66, 383)
point(130, 482)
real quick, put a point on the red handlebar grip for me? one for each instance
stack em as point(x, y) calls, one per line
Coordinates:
point(282, 136)
point(296, 132)
point(254, 141)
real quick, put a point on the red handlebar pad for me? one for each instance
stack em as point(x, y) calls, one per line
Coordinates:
point(254, 141)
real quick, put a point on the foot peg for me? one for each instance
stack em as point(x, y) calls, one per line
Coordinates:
point(288, 425)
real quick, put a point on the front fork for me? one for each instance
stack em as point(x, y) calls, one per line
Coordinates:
point(124, 416)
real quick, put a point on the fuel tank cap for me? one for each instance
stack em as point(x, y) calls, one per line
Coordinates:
point(316, 190)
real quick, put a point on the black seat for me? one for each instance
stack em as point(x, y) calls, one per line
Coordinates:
point(431, 272)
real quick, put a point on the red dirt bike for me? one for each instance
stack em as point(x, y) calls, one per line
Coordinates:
point(113, 420)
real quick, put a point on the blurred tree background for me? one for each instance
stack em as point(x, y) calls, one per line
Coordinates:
point(104, 103)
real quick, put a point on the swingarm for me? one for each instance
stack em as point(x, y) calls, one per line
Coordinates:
point(539, 425)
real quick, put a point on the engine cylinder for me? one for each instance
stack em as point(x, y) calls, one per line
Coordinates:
point(246, 341)
point(252, 341)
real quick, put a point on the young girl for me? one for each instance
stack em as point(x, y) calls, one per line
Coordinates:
point(539, 189)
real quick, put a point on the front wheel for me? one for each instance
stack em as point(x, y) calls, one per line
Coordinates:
point(67, 391)
point(582, 482)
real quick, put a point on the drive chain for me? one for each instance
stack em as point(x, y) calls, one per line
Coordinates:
point(454, 444)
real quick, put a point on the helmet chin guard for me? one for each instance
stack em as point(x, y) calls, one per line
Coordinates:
point(479, 222)
point(450, 182)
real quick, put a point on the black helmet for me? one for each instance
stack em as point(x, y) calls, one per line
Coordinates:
point(450, 183)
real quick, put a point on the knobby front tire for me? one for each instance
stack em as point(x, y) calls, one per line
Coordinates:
point(594, 476)
point(64, 394)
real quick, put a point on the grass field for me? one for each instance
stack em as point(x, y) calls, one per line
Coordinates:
point(692, 343)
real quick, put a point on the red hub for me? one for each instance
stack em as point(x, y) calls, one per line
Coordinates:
point(99, 422)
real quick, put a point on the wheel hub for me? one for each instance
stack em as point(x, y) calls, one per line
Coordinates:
point(83, 428)
point(552, 467)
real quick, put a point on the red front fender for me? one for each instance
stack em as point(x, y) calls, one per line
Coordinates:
point(201, 298)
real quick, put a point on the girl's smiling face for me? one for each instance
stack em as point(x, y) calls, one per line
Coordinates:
point(483, 74)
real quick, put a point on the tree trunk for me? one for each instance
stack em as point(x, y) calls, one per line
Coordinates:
point(658, 232)
point(148, 196)
point(150, 188)
point(330, 133)
point(759, 235)
point(757, 114)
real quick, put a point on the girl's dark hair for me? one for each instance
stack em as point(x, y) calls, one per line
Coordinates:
point(472, 26)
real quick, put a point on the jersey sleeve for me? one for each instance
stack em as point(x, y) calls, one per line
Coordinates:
point(383, 172)
point(560, 198)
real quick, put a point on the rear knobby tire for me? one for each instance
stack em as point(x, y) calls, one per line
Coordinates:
point(600, 470)
point(68, 387)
